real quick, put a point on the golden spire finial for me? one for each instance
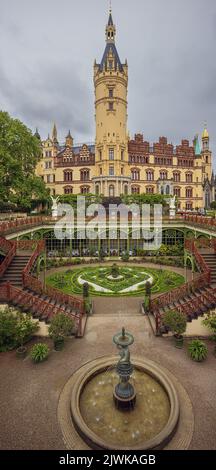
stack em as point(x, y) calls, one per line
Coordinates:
point(205, 134)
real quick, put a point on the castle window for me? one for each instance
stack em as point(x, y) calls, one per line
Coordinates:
point(84, 175)
point(163, 175)
point(84, 189)
point(100, 155)
point(135, 190)
point(111, 154)
point(207, 160)
point(176, 177)
point(149, 175)
point(122, 171)
point(150, 190)
point(101, 171)
point(110, 64)
point(111, 171)
point(189, 192)
point(111, 191)
point(177, 192)
point(110, 92)
point(97, 190)
point(126, 190)
point(135, 174)
point(68, 190)
point(111, 106)
point(189, 178)
point(68, 176)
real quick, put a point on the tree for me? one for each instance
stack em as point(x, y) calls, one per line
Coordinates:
point(19, 153)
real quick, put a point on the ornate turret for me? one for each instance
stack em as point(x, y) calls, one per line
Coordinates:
point(205, 139)
point(36, 134)
point(54, 134)
point(69, 140)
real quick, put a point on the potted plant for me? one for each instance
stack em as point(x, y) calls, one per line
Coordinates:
point(177, 323)
point(60, 327)
point(198, 350)
point(24, 331)
point(39, 352)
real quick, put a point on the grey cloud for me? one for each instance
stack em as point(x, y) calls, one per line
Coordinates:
point(47, 51)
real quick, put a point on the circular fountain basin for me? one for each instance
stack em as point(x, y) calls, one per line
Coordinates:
point(151, 424)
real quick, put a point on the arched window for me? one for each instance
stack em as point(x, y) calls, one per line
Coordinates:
point(189, 192)
point(177, 176)
point(135, 174)
point(149, 175)
point(68, 176)
point(135, 190)
point(177, 192)
point(167, 190)
point(189, 177)
point(84, 189)
point(97, 189)
point(85, 175)
point(68, 190)
point(150, 190)
point(163, 175)
point(126, 189)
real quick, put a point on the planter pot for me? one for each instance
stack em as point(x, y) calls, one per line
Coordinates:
point(178, 341)
point(21, 352)
point(59, 344)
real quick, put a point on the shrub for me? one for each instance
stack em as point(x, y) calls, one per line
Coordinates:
point(15, 328)
point(115, 270)
point(85, 290)
point(175, 321)
point(25, 328)
point(8, 325)
point(125, 257)
point(61, 326)
point(39, 352)
point(210, 322)
point(148, 289)
point(198, 350)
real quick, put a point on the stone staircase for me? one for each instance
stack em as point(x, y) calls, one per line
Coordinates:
point(210, 259)
point(41, 306)
point(13, 273)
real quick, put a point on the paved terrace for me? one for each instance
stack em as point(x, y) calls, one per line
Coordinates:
point(29, 393)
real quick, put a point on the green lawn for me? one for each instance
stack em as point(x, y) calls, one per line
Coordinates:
point(131, 280)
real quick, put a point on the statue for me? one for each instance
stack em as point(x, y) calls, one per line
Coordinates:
point(55, 206)
point(172, 207)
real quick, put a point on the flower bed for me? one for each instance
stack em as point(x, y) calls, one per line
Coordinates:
point(132, 281)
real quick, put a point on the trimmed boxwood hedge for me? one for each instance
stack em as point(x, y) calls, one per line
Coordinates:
point(68, 281)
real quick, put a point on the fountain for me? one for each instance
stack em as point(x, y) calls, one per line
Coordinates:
point(124, 393)
point(117, 405)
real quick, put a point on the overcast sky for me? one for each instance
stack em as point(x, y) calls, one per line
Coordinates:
point(48, 47)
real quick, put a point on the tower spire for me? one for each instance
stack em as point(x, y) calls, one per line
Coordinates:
point(110, 28)
point(54, 133)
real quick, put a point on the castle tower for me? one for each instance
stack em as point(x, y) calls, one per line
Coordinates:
point(111, 145)
point(206, 154)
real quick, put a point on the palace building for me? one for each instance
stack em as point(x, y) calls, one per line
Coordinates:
point(115, 164)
